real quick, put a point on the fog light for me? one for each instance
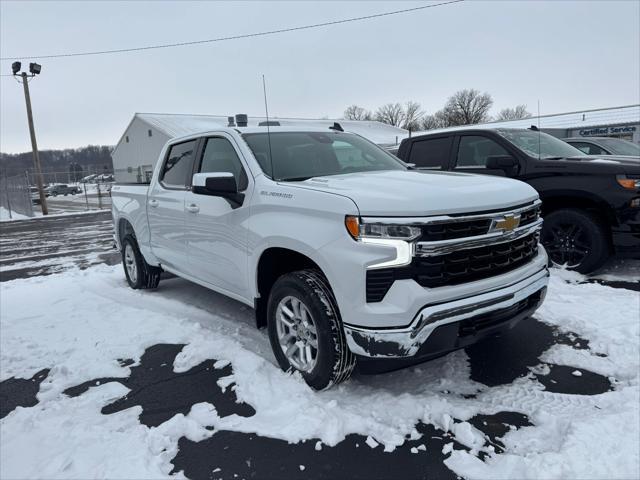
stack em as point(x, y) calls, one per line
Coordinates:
point(635, 203)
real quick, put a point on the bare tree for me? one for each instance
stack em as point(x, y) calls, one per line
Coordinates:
point(354, 112)
point(412, 116)
point(467, 107)
point(516, 113)
point(391, 113)
point(431, 122)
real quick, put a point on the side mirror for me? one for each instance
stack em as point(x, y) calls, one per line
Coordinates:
point(217, 184)
point(502, 162)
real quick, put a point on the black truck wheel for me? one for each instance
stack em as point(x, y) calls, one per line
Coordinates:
point(138, 272)
point(305, 329)
point(575, 239)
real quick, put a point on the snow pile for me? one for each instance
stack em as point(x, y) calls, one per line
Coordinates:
point(80, 322)
point(6, 215)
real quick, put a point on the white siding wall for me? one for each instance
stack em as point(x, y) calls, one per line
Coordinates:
point(133, 161)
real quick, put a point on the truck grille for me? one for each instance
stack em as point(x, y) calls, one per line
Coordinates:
point(529, 216)
point(433, 232)
point(461, 266)
point(448, 231)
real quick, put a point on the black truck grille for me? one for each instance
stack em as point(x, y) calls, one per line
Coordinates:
point(461, 266)
point(529, 216)
point(450, 230)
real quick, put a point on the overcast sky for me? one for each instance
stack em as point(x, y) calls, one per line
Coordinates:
point(570, 55)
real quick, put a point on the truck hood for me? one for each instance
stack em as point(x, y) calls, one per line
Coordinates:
point(592, 164)
point(416, 193)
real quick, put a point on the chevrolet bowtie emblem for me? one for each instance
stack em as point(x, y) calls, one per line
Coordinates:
point(507, 223)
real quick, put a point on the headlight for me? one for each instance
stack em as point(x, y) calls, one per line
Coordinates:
point(361, 231)
point(631, 182)
point(388, 235)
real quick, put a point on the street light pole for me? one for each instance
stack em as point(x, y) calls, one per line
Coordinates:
point(32, 132)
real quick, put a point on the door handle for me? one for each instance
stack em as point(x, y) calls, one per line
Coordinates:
point(153, 203)
point(193, 208)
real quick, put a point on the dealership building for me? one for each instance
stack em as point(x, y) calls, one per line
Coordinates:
point(618, 122)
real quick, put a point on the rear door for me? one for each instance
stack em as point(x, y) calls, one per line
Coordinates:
point(166, 209)
point(431, 153)
point(216, 227)
point(472, 151)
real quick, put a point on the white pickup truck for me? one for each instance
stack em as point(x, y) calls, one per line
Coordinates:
point(346, 253)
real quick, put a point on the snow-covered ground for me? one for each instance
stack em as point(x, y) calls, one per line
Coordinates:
point(79, 324)
point(7, 215)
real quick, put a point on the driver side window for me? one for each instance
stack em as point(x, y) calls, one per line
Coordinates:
point(474, 150)
point(220, 156)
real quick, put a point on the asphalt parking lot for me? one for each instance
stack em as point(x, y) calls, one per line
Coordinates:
point(46, 247)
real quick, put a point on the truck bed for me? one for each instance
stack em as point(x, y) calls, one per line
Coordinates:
point(129, 202)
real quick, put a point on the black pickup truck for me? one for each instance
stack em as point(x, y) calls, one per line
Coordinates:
point(591, 205)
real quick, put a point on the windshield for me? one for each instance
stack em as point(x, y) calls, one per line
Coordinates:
point(539, 144)
point(617, 146)
point(302, 155)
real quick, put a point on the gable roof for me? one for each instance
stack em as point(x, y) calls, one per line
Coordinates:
point(178, 125)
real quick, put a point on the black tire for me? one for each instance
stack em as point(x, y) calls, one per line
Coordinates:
point(576, 239)
point(146, 276)
point(335, 362)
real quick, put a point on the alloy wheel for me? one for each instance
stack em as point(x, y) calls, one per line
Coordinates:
point(297, 334)
point(130, 263)
point(567, 244)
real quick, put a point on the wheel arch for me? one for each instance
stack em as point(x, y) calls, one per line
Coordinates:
point(271, 265)
point(556, 200)
point(124, 228)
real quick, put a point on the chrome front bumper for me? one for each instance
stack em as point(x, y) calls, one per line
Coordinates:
point(406, 342)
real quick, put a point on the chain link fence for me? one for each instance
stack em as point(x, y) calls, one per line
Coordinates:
point(15, 195)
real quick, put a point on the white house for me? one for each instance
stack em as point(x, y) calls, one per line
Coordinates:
point(137, 151)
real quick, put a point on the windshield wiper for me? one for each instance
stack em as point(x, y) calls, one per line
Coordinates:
point(295, 179)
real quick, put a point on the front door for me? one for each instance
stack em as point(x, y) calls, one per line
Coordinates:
point(216, 227)
point(166, 209)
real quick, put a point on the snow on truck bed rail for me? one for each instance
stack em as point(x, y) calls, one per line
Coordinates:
point(79, 324)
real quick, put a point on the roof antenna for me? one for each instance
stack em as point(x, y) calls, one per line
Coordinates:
point(266, 111)
point(538, 129)
point(337, 127)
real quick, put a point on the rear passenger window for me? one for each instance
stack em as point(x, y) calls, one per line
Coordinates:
point(220, 156)
point(179, 165)
point(474, 151)
point(431, 153)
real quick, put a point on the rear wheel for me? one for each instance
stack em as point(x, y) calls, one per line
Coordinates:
point(305, 329)
point(575, 239)
point(138, 272)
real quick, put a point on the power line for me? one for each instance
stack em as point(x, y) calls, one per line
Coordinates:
point(235, 37)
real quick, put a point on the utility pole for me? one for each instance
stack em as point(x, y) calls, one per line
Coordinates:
point(34, 69)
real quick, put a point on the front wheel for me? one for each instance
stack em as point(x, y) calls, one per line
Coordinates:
point(138, 272)
point(305, 329)
point(575, 239)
